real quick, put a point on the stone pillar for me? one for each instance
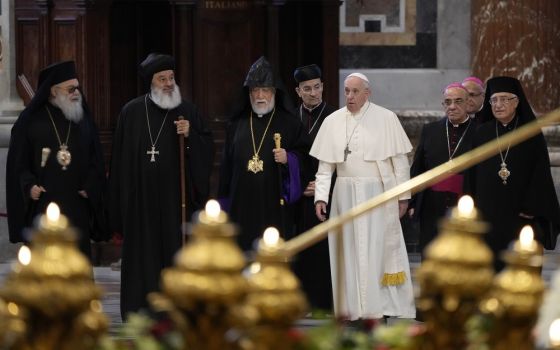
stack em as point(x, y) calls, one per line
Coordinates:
point(10, 106)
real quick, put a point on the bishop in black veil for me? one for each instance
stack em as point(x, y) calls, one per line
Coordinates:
point(72, 175)
point(254, 177)
point(144, 181)
point(514, 188)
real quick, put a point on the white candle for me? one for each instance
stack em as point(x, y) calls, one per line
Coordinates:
point(466, 206)
point(24, 255)
point(212, 209)
point(526, 238)
point(271, 237)
point(53, 213)
point(554, 332)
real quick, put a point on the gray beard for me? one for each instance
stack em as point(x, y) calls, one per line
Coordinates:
point(164, 100)
point(263, 110)
point(73, 111)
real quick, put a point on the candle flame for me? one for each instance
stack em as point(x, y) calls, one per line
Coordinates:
point(554, 332)
point(53, 212)
point(212, 209)
point(526, 237)
point(465, 205)
point(271, 236)
point(24, 255)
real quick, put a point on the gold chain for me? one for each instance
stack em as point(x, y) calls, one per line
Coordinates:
point(56, 131)
point(264, 134)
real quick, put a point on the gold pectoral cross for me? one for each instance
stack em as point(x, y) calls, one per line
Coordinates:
point(255, 164)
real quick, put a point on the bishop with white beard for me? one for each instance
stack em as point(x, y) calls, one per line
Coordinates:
point(144, 181)
point(73, 175)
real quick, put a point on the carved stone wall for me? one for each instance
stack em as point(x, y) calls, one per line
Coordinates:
point(520, 39)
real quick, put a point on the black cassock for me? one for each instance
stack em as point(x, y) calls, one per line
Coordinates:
point(431, 204)
point(30, 135)
point(529, 190)
point(254, 198)
point(145, 196)
point(312, 266)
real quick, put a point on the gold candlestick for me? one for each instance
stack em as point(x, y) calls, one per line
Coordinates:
point(516, 295)
point(204, 292)
point(455, 275)
point(50, 297)
point(275, 294)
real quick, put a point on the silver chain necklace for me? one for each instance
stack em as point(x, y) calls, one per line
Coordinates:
point(310, 114)
point(460, 139)
point(347, 150)
point(153, 151)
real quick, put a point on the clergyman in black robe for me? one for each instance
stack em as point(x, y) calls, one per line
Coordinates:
point(515, 187)
point(254, 176)
point(476, 90)
point(73, 175)
point(144, 181)
point(440, 142)
point(312, 266)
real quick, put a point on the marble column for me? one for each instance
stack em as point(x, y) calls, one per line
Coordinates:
point(10, 106)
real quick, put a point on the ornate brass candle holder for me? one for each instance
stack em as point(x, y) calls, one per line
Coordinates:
point(274, 293)
point(455, 275)
point(516, 295)
point(51, 300)
point(203, 292)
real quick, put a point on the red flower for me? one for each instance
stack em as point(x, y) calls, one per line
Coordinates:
point(161, 328)
point(296, 335)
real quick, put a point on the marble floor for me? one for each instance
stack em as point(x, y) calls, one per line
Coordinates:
point(109, 280)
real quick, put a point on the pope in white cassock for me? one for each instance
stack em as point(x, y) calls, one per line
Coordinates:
point(367, 146)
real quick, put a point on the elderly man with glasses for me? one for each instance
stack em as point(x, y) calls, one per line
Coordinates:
point(475, 87)
point(55, 156)
point(514, 188)
point(440, 142)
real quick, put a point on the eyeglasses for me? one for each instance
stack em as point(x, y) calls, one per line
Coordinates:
point(69, 89)
point(449, 102)
point(473, 94)
point(503, 100)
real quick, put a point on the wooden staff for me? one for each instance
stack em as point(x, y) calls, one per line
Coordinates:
point(277, 143)
point(183, 184)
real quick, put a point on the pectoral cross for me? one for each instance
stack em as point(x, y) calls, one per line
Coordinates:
point(153, 152)
point(347, 151)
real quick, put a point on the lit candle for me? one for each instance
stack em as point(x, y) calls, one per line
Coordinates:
point(466, 207)
point(526, 241)
point(53, 220)
point(271, 237)
point(53, 213)
point(24, 255)
point(212, 213)
point(212, 209)
point(554, 333)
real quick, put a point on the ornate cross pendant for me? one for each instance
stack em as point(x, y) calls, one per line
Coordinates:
point(255, 164)
point(153, 153)
point(504, 173)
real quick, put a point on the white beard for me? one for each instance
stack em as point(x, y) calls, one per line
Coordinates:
point(72, 110)
point(164, 100)
point(262, 110)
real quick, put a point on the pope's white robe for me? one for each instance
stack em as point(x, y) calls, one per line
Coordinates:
point(377, 279)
